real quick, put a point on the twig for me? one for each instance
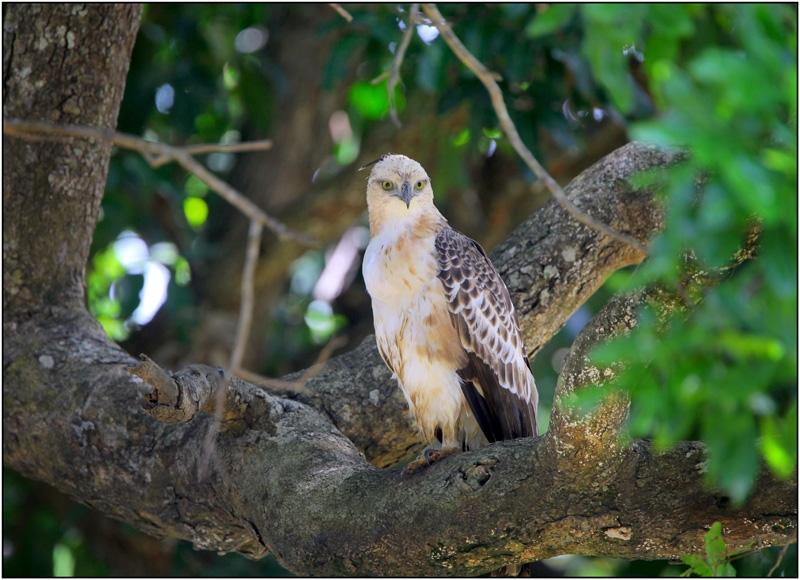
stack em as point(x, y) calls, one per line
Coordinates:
point(342, 12)
point(157, 154)
point(299, 385)
point(201, 148)
point(381, 77)
point(792, 540)
point(394, 72)
point(159, 160)
point(489, 80)
point(269, 383)
point(246, 306)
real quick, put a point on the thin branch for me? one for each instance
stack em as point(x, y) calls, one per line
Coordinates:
point(489, 80)
point(246, 306)
point(298, 385)
point(394, 73)
point(342, 12)
point(271, 384)
point(247, 146)
point(792, 540)
point(381, 77)
point(158, 154)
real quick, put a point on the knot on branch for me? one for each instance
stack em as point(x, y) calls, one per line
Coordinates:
point(181, 397)
point(620, 533)
point(477, 475)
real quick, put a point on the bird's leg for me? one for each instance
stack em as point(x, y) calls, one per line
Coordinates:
point(427, 457)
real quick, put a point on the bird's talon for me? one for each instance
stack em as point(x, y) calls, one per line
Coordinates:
point(428, 457)
point(428, 454)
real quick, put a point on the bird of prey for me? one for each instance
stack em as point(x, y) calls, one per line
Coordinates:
point(444, 321)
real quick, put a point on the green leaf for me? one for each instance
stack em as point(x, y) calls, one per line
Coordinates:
point(63, 561)
point(372, 101)
point(107, 264)
point(183, 272)
point(195, 187)
point(715, 545)
point(555, 17)
point(744, 345)
point(461, 138)
point(778, 443)
point(728, 571)
point(733, 455)
point(230, 76)
point(610, 31)
point(196, 211)
point(697, 565)
point(674, 20)
point(585, 400)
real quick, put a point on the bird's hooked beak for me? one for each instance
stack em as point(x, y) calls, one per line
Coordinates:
point(405, 193)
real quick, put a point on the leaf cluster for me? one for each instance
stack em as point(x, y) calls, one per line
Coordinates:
point(725, 370)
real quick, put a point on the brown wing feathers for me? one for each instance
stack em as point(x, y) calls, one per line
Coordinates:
point(481, 309)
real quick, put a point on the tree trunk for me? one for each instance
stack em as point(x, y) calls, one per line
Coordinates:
point(284, 476)
point(67, 64)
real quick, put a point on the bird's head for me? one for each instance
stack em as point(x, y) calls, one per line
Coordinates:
point(395, 182)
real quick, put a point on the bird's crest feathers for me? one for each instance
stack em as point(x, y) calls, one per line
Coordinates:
point(381, 158)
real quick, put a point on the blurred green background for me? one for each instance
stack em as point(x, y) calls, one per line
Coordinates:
point(579, 81)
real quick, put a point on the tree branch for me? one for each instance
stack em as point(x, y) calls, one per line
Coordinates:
point(281, 478)
point(489, 80)
point(291, 484)
point(600, 435)
point(246, 306)
point(394, 72)
point(158, 154)
point(551, 264)
point(269, 474)
point(342, 12)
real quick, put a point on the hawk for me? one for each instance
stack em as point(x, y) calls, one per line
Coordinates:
point(444, 321)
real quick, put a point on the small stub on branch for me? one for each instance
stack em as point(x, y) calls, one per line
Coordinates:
point(165, 390)
point(165, 402)
point(181, 397)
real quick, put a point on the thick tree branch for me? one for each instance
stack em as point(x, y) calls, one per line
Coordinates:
point(551, 264)
point(291, 484)
point(600, 434)
point(596, 437)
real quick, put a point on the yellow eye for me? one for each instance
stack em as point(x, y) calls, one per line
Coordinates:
point(387, 185)
point(419, 185)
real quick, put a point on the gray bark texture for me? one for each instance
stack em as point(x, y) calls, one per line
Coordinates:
point(231, 467)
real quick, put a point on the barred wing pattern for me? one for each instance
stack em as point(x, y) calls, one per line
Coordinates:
point(496, 381)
